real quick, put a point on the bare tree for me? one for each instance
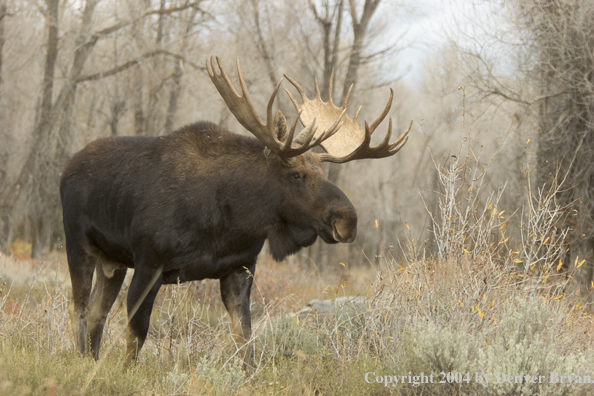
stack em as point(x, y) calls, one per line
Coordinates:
point(37, 183)
point(550, 43)
point(360, 26)
point(330, 18)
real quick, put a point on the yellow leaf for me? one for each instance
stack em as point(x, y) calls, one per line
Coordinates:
point(580, 263)
point(490, 206)
point(528, 170)
point(545, 241)
point(494, 320)
point(407, 225)
point(297, 318)
point(569, 319)
point(376, 224)
point(466, 251)
point(469, 188)
point(577, 292)
point(528, 141)
point(559, 266)
point(400, 269)
point(545, 278)
point(343, 264)
point(558, 297)
point(518, 261)
point(481, 313)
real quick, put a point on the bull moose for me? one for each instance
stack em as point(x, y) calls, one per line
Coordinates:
point(200, 203)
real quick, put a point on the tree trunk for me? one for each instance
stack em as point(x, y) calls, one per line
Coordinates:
point(175, 91)
point(39, 178)
point(26, 181)
point(360, 32)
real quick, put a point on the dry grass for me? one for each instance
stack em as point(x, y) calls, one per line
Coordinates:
point(189, 324)
point(414, 317)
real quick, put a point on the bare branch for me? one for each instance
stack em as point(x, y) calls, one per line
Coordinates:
point(134, 62)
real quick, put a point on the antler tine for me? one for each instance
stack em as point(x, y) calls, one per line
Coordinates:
point(357, 114)
point(386, 141)
point(240, 105)
point(307, 134)
point(323, 157)
point(269, 107)
point(364, 151)
point(346, 100)
point(243, 85)
point(402, 139)
point(317, 87)
point(289, 138)
point(381, 117)
point(299, 89)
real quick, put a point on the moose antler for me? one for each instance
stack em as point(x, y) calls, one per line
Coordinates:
point(243, 109)
point(352, 142)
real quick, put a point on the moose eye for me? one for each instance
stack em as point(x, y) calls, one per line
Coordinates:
point(296, 175)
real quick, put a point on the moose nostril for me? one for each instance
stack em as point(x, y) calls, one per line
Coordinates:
point(335, 233)
point(344, 229)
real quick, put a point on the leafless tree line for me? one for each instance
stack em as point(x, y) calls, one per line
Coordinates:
point(540, 58)
point(519, 86)
point(101, 68)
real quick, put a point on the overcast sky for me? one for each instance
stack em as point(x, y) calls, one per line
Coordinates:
point(426, 24)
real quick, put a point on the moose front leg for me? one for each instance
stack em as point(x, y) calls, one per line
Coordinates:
point(235, 292)
point(141, 296)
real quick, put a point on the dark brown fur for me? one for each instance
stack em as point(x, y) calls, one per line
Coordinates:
point(196, 204)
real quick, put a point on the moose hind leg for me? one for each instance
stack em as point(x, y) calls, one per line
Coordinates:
point(141, 296)
point(104, 294)
point(235, 292)
point(81, 267)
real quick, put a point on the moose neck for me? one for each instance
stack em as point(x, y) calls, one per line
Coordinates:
point(250, 191)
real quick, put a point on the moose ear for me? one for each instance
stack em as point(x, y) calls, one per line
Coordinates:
point(280, 125)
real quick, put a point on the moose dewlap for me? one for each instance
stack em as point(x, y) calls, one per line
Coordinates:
point(200, 203)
